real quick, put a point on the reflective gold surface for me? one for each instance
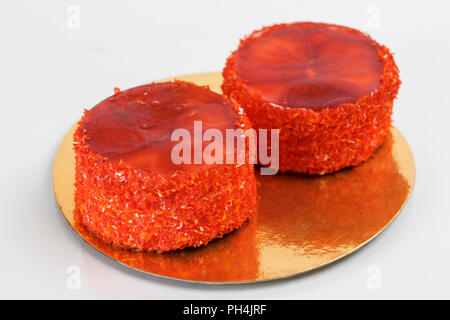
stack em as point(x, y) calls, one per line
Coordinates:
point(302, 222)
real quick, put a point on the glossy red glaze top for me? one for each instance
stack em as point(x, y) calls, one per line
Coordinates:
point(136, 125)
point(309, 65)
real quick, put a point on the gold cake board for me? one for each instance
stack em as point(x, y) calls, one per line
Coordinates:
point(302, 223)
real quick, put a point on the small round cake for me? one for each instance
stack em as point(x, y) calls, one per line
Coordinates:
point(128, 190)
point(328, 88)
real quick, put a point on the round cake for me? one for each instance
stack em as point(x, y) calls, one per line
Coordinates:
point(128, 190)
point(328, 88)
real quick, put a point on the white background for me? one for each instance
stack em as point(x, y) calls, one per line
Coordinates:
point(49, 73)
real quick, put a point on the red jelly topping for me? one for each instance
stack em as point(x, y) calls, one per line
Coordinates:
point(136, 125)
point(309, 65)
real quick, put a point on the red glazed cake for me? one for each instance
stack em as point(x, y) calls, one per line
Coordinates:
point(328, 88)
point(129, 192)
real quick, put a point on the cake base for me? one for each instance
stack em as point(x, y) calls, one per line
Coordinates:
point(320, 219)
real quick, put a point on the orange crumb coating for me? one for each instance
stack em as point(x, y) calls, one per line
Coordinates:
point(138, 209)
point(319, 141)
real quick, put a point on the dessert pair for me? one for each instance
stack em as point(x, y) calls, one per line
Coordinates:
point(327, 89)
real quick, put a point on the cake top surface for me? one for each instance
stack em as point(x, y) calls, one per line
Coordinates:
point(309, 65)
point(136, 125)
